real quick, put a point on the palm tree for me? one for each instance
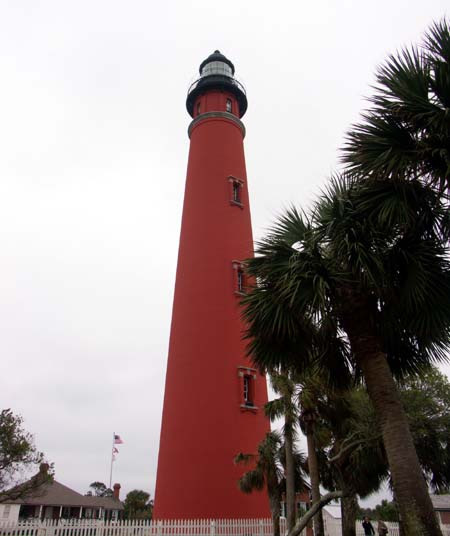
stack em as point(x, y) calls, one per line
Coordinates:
point(312, 387)
point(371, 260)
point(406, 132)
point(355, 455)
point(427, 403)
point(267, 472)
point(308, 423)
point(296, 335)
point(138, 505)
point(357, 459)
point(296, 406)
point(285, 407)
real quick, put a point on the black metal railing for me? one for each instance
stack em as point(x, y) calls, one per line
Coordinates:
point(216, 79)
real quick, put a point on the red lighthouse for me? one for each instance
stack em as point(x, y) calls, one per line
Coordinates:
point(214, 398)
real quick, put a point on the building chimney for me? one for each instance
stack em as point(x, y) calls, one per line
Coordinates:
point(116, 492)
point(43, 468)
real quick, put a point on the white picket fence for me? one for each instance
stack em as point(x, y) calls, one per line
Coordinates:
point(333, 528)
point(198, 527)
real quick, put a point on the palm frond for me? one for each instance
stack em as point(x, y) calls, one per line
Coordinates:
point(275, 409)
point(404, 135)
point(251, 481)
point(242, 458)
point(437, 41)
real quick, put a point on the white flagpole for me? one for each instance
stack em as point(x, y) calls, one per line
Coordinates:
point(112, 460)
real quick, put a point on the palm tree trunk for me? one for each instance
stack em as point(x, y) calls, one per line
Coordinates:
point(290, 476)
point(401, 530)
point(349, 509)
point(313, 466)
point(349, 502)
point(275, 509)
point(411, 491)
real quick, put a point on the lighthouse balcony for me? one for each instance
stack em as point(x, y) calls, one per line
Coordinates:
point(214, 81)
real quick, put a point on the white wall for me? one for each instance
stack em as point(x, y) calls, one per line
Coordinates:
point(9, 512)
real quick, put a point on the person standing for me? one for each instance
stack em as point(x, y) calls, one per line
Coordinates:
point(368, 527)
point(382, 528)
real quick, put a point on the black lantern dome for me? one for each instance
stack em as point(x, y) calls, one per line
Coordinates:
point(216, 72)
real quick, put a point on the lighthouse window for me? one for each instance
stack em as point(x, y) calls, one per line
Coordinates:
point(237, 187)
point(247, 378)
point(217, 68)
point(239, 277)
point(240, 280)
point(229, 105)
point(198, 108)
point(248, 391)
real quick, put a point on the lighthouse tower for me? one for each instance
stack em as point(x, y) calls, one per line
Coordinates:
point(214, 398)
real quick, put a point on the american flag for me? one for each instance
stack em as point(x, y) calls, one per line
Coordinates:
point(117, 440)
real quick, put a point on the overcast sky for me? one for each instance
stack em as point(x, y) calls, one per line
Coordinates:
point(93, 153)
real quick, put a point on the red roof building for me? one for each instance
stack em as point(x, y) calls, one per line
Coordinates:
point(53, 500)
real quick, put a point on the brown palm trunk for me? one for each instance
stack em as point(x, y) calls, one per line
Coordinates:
point(349, 509)
point(415, 507)
point(401, 530)
point(275, 509)
point(290, 476)
point(313, 467)
point(349, 502)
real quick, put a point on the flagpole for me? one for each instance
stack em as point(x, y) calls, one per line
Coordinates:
point(112, 460)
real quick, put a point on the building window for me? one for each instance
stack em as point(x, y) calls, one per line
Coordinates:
point(229, 106)
point(236, 186)
point(302, 508)
point(248, 396)
point(240, 280)
point(247, 378)
point(239, 277)
point(66, 512)
point(217, 67)
point(6, 510)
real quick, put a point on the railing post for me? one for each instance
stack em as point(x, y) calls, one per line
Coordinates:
point(212, 528)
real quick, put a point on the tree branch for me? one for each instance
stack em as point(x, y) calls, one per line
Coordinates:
point(302, 522)
point(350, 446)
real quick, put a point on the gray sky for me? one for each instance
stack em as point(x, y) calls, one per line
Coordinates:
point(93, 153)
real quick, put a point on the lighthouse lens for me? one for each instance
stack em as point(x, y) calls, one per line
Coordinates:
point(217, 67)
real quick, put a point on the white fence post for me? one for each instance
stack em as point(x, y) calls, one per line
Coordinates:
point(261, 527)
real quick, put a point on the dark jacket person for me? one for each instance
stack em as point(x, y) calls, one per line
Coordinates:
point(368, 527)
